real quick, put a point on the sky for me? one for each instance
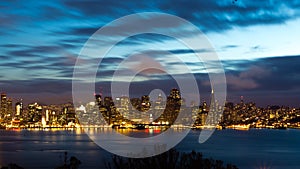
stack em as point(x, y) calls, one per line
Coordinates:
point(256, 42)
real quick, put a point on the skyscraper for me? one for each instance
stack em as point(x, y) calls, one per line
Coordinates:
point(9, 110)
point(214, 110)
point(175, 94)
point(145, 103)
point(19, 108)
point(3, 105)
point(34, 112)
point(212, 101)
point(98, 98)
point(124, 106)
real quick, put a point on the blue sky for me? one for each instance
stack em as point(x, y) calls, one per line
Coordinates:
point(257, 42)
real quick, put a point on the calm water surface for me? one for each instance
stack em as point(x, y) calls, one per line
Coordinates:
point(253, 149)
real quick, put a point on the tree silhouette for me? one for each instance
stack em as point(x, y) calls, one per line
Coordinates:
point(73, 163)
point(171, 159)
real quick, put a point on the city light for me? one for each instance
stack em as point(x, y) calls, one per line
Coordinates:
point(145, 112)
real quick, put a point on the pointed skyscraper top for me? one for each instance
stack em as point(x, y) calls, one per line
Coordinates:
point(212, 99)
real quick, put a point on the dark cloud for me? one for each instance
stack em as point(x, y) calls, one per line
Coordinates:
point(144, 25)
point(94, 8)
point(267, 74)
point(109, 9)
point(273, 80)
point(187, 51)
point(208, 15)
point(223, 15)
point(277, 77)
point(81, 31)
point(285, 73)
point(111, 60)
point(46, 91)
point(229, 47)
point(256, 48)
point(37, 86)
point(4, 57)
point(13, 45)
point(34, 51)
point(79, 35)
point(33, 62)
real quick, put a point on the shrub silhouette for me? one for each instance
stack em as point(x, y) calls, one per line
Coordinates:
point(73, 163)
point(171, 159)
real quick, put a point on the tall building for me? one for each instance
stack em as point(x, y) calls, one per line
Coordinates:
point(108, 101)
point(135, 108)
point(135, 102)
point(159, 99)
point(34, 112)
point(214, 110)
point(159, 103)
point(124, 106)
point(171, 111)
point(3, 105)
point(109, 111)
point(212, 101)
point(19, 108)
point(145, 103)
point(98, 98)
point(9, 112)
point(175, 94)
point(70, 113)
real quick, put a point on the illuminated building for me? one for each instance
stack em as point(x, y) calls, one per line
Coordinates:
point(210, 118)
point(108, 102)
point(159, 103)
point(9, 112)
point(3, 105)
point(34, 112)
point(19, 108)
point(98, 98)
point(213, 101)
point(70, 114)
point(123, 106)
point(202, 114)
point(47, 115)
point(109, 110)
point(124, 102)
point(172, 108)
point(145, 103)
point(135, 108)
point(215, 112)
point(135, 102)
point(175, 94)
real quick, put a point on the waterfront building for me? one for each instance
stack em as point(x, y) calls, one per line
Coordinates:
point(34, 112)
point(18, 108)
point(9, 112)
point(3, 107)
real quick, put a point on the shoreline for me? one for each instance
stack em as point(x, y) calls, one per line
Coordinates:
point(134, 129)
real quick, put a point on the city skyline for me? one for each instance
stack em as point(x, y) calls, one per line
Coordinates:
point(137, 113)
point(256, 42)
